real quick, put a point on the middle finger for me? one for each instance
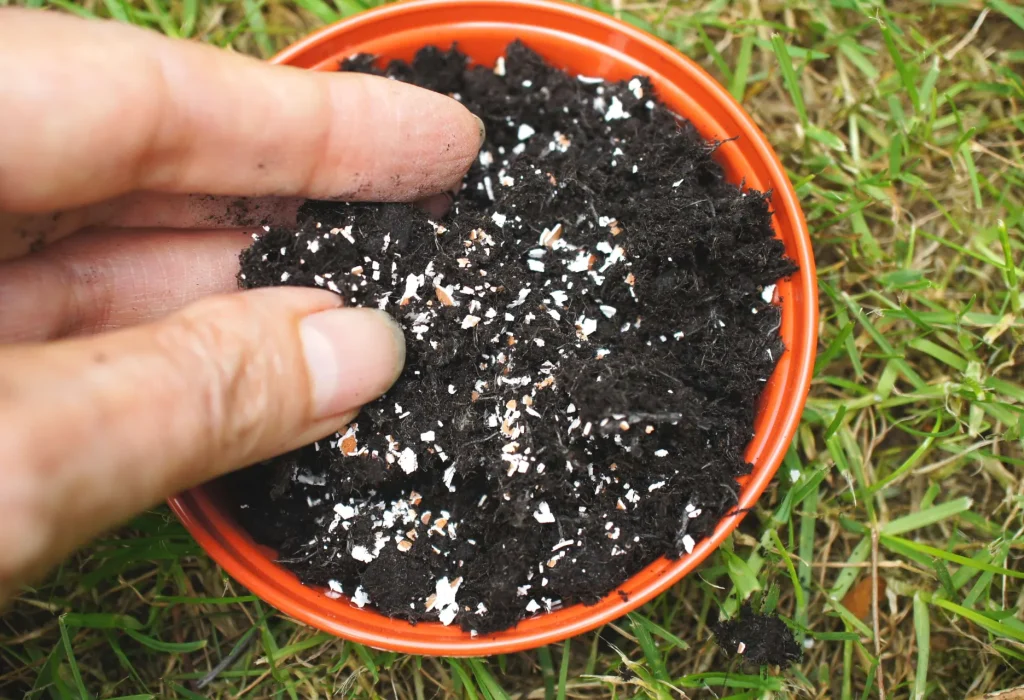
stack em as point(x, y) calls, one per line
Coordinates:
point(113, 278)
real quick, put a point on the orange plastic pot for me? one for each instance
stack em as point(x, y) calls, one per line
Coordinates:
point(583, 42)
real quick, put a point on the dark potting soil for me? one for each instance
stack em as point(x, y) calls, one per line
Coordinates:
point(588, 333)
point(759, 639)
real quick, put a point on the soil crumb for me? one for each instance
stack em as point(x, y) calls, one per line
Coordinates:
point(588, 332)
point(759, 639)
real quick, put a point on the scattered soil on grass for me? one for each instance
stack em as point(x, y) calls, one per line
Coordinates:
point(588, 332)
point(759, 639)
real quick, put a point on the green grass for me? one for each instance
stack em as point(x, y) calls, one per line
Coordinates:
point(902, 131)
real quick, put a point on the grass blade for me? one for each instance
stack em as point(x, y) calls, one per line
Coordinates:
point(69, 653)
point(940, 353)
point(789, 78)
point(258, 25)
point(798, 590)
point(658, 631)
point(117, 10)
point(924, 518)
point(189, 17)
point(994, 626)
point(738, 85)
point(547, 668)
point(102, 621)
point(166, 647)
point(486, 680)
point(319, 9)
point(650, 649)
point(563, 671)
point(905, 73)
point(467, 682)
point(898, 542)
point(1014, 14)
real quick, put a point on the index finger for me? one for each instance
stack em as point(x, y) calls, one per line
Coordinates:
point(118, 109)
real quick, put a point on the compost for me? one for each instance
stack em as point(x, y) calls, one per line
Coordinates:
point(758, 638)
point(588, 332)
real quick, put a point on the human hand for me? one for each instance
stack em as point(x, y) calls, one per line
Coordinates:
point(132, 371)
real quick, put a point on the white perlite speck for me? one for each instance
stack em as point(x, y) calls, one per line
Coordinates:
point(427, 436)
point(361, 553)
point(443, 600)
point(608, 311)
point(525, 132)
point(543, 513)
point(768, 293)
point(360, 598)
point(470, 321)
point(407, 461)
point(581, 263)
point(688, 544)
point(615, 111)
point(661, 453)
point(499, 219)
point(586, 326)
point(535, 265)
point(636, 88)
point(412, 286)
point(345, 232)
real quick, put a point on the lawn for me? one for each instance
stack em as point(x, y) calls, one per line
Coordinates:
point(892, 540)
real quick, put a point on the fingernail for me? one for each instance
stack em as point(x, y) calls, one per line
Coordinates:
point(352, 357)
point(483, 129)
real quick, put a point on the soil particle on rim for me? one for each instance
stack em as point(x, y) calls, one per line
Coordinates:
point(587, 331)
point(757, 638)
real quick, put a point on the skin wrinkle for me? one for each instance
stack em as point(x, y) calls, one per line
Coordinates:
point(131, 291)
point(233, 391)
point(143, 165)
point(101, 281)
point(89, 292)
point(329, 138)
point(360, 184)
point(438, 162)
point(145, 210)
point(394, 113)
point(164, 390)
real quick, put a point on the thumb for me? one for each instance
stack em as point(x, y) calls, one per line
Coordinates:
point(96, 429)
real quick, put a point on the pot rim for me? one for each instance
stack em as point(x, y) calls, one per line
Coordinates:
point(248, 563)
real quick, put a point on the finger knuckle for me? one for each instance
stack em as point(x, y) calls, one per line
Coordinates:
point(222, 345)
